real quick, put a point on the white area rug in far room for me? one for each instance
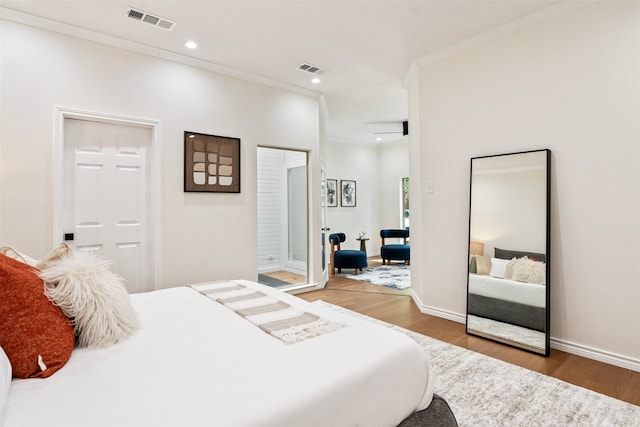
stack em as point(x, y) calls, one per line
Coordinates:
point(483, 391)
point(396, 276)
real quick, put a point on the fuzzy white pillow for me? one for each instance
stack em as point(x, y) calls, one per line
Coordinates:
point(508, 272)
point(526, 270)
point(92, 297)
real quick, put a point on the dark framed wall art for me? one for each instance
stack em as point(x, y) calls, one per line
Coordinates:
point(348, 193)
point(211, 163)
point(332, 193)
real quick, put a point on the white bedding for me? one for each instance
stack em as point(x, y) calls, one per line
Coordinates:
point(509, 290)
point(195, 363)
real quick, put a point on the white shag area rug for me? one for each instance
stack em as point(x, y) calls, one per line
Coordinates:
point(483, 391)
point(396, 276)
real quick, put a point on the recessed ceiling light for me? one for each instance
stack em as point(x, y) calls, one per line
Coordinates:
point(315, 80)
point(378, 139)
point(191, 45)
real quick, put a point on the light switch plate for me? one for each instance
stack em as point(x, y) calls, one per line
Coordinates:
point(428, 186)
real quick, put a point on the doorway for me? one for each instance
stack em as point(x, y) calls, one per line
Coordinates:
point(405, 202)
point(105, 194)
point(282, 217)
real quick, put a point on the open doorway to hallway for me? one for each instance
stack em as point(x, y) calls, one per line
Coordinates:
point(282, 217)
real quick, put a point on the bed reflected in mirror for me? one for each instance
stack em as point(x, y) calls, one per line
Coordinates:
point(508, 274)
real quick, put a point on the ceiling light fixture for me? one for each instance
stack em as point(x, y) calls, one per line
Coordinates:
point(191, 45)
point(315, 80)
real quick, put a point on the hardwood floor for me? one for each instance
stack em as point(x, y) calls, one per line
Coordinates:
point(397, 307)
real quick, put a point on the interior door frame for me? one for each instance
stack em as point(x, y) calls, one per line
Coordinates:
point(154, 161)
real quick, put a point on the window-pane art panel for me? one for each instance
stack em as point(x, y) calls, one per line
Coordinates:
point(211, 163)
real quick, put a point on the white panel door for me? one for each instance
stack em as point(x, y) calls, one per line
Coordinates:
point(106, 196)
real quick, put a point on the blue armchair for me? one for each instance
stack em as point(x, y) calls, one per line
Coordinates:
point(394, 251)
point(345, 258)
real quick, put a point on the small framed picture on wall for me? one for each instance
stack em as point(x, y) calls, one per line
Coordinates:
point(332, 193)
point(347, 193)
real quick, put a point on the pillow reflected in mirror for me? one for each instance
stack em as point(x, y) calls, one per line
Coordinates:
point(498, 267)
point(483, 265)
point(520, 269)
point(526, 270)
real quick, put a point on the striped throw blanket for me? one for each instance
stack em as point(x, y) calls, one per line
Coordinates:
point(277, 318)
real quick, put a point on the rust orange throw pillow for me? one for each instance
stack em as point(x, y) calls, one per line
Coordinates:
point(35, 334)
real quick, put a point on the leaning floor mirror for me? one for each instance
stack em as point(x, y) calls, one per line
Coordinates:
point(508, 270)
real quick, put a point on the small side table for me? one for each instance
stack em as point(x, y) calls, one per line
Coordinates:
point(363, 246)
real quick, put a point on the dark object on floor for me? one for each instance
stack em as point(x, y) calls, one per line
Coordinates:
point(393, 251)
point(345, 258)
point(438, 414)
point(272, 281)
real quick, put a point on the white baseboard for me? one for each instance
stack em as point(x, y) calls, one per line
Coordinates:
point(438, 312)
point(558, 344)
point(304, 288)
point(596, 354)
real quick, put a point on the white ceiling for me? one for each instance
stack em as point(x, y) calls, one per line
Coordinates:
point(367, 46)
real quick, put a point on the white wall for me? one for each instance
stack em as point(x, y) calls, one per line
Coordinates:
point(359, 163)
point(203, 236)
point(394, 165)
point(570, 84)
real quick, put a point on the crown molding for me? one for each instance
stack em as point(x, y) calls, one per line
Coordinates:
point(561, 8)
point(117, 42)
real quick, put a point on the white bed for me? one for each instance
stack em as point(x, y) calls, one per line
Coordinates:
point(531, 294)
point(194, 362)
point(508, 301)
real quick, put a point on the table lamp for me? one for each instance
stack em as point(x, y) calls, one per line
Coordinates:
point(475, 249)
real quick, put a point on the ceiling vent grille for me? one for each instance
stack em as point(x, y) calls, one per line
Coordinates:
point(311, 69)
point(156, 21)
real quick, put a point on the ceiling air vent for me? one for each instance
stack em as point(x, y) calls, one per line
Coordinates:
point(311, 69)
point(156, 21)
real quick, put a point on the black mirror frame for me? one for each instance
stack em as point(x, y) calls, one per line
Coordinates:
point(547, 346)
